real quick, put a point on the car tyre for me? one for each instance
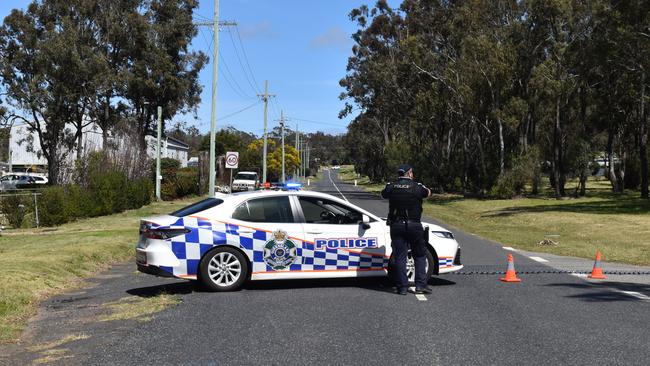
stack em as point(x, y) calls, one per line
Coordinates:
point(431, 265)
point(224, 269)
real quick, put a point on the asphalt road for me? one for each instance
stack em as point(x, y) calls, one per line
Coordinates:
point(548, 319)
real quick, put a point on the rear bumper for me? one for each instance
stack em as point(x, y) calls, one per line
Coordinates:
point(153, 270)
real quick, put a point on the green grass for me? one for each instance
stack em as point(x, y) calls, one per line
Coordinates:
point(617, 225)
point(37, 263)
point(348, 175)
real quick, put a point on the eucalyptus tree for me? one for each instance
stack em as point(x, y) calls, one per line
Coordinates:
point(159, 69)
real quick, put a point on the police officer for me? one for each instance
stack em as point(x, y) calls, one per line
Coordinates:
point(405, 209)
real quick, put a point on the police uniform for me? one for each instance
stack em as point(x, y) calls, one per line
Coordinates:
point(405, 209)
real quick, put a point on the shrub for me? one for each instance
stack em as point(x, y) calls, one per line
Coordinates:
point(14, 209)
point(109, 193)
point(139, 193)
point(78, 202)
point(52, 206)
point(187, 182)
point(179, 183)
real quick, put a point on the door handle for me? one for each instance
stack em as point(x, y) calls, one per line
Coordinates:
point(314, 232)
point(246, 231)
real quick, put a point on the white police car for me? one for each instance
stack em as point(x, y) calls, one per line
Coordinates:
point(261, 235)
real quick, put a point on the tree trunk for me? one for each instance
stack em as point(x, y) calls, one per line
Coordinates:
point(80, 146)
point(501, 148)
point(583, 183)
point(610, 162)
point(621, 170)
point(557, 152)
point(643, 141)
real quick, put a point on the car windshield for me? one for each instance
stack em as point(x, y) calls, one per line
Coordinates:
point(197, 207)
point(246, 176)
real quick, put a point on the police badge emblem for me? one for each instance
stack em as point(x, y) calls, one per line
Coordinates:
point(279, 252)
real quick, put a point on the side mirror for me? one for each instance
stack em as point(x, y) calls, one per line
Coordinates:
point(365, 222)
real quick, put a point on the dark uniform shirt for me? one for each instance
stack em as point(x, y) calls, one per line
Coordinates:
point(404, 199)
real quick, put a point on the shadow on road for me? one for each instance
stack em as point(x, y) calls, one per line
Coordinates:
point(602, 291)
point(380, 284)
point(176, 288)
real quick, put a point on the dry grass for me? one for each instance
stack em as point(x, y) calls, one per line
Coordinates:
point(36, 263)
point(139, 308)
point(49, 352)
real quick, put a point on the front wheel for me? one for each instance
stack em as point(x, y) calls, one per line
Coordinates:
point(410, 267)
point(224, 269)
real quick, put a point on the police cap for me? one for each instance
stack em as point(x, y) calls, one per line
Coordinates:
point(403, 169)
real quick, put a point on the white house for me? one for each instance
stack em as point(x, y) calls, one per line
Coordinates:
point(25, 154)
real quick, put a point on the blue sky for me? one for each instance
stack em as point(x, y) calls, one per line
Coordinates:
point(301, 47)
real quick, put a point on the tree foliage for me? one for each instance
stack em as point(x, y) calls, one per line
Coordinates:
point(488, 96)
point(67, 63)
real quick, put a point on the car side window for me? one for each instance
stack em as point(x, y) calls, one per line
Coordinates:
point(323, 211)
point(268, 209)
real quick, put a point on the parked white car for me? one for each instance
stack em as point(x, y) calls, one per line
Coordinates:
point(229, 239)
point(245, 181)
point(12, 180)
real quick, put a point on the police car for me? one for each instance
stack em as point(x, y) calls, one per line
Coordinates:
point(227, 240)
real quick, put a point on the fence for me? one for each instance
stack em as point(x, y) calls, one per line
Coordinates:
point(19, 209)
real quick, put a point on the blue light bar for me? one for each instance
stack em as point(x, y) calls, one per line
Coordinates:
point(292, 185)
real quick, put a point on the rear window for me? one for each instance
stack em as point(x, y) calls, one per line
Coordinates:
point(197, 207)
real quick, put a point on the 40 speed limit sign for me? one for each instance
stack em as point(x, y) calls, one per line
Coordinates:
point(232, 159)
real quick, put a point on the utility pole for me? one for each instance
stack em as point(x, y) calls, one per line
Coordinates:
point(213, 115)
point(265, 98)
point(9, 160)
point(158, 176)
point(297, 174)
point(282, 132)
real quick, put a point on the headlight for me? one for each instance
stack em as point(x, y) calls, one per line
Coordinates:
point(443, 234)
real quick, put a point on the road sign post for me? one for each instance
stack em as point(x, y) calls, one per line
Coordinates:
point(232, 162)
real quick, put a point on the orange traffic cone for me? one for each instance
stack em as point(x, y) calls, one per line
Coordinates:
point(597, 272)
point(511, 275)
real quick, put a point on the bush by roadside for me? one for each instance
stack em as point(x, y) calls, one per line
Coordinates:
point(108, 194)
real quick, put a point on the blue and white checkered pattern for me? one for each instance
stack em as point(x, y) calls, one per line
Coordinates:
point(206, 234)
point(445, 262)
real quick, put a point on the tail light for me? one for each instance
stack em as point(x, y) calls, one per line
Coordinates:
point(162, 233)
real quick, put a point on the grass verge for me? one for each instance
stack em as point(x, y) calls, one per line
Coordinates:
point(348, 175)
point(617, 225)
point(37, 263)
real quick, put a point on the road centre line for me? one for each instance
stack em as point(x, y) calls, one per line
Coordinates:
point(329, 174)
point(538, 259)
point(580, 275)
point(421, 297)
point(510, 248)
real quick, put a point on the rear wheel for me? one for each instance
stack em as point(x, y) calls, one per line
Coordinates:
point(224, 269)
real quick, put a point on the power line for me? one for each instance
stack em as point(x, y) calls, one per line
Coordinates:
point(241, 64)
point(316, 122)
point(245, 56)
point(238, 88)
point(240, 111)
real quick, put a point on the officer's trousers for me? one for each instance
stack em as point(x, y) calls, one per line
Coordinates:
point(403, 234)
